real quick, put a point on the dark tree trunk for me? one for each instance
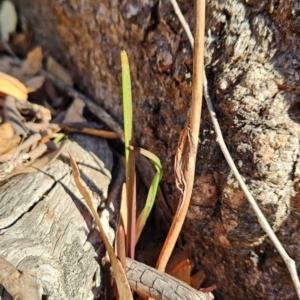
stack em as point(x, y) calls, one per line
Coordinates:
point(252, 62)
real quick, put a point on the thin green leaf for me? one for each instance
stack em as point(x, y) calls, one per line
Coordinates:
point(152, 190)
point(129, 155)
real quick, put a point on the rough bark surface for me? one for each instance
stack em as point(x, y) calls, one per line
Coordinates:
point(47, 229)
point(253, 70)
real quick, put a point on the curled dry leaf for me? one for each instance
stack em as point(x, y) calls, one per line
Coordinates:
point(8, 140)
point(33, 62)
point(13, 87)
point(54, 68)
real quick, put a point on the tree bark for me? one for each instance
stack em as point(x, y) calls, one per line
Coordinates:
point(253, 72)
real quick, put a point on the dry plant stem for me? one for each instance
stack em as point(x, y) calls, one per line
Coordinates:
point(190, 143)
point(120, 276)
point(37, 152)
point(290, 263)
point(29, 142)
point(91, 131)
point(123, 209)
point(121, 246)
point(149, 282)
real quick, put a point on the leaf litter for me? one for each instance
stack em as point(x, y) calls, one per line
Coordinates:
point(30, 105)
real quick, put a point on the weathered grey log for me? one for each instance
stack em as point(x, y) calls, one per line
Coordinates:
point(47, 229)
point(148, 281)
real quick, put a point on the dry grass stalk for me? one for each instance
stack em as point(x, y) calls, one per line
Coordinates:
point(188, 142)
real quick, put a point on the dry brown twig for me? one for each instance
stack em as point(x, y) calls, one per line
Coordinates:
point(91, 131)
point(290, 263)
point(185, 160)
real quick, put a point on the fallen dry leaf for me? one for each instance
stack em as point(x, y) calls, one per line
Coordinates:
point(54, 68)
point(13, 87)
point(75, 112)
point(19, 44)
point(8, 140)
point(33, 62)
point(6, 131)
point(179, 266)
point(8, 19)
point(17, 73)
point(34, 83)
point(197, 279)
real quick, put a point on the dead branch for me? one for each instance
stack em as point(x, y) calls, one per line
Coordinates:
point(185, 160)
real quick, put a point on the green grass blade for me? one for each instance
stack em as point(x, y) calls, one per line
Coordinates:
point(129, 155)
point(152, 190)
